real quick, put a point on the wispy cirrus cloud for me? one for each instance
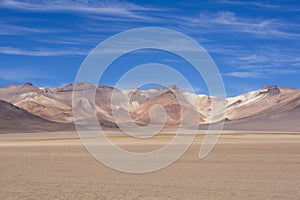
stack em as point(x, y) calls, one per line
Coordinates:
point(116, 7)
point(244, 74)
point(23, 74)
point(226, 21)
point(10, 29)
point(250, 3)
point(262, 73)
point(268, 55)
point(265, 62)
point(272, 5)
point(41, 52)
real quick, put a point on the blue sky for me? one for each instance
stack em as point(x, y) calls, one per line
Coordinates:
point(253, 43)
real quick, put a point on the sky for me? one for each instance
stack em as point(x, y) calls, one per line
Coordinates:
point(253, 43)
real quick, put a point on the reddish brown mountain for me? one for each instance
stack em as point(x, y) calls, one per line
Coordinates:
point(269, 108)
point(14, 120)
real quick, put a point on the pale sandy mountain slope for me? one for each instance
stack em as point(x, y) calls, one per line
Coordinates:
point(270, 104)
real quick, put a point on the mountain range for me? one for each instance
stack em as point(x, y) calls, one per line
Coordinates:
point(27, 108)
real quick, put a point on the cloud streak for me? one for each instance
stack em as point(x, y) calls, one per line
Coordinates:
point(122, 8)
point(226, 21)
point(251, 3)
point(262, 73)
point(243, 74)
point(259, 4)
point(40, 52)
point(9, 29)
point(265, 63)
point(24, 74)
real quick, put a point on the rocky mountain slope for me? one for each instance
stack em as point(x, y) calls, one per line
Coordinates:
point(142, 107)
point(14, 119)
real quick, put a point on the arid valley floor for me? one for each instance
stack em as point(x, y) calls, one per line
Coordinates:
point(241, 166)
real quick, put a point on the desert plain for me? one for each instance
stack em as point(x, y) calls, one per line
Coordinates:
point(243, 165)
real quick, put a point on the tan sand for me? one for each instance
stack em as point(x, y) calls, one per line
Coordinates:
point(241, 166)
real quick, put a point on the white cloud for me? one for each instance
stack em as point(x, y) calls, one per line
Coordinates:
point(9, 29)
point(20, 74)
point(245, 74)
point(268, 56)
point(266, 62)
point(262, 73)
point(272, 5)
point(83, 6)
point(226, 21)
point(40, 52)
point(250, 3)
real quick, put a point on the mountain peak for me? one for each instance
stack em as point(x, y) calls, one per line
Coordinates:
point(28, 84)
point(173, 87)
point(272, 89)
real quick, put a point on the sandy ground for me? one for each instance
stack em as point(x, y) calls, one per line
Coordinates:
point(241, 166)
